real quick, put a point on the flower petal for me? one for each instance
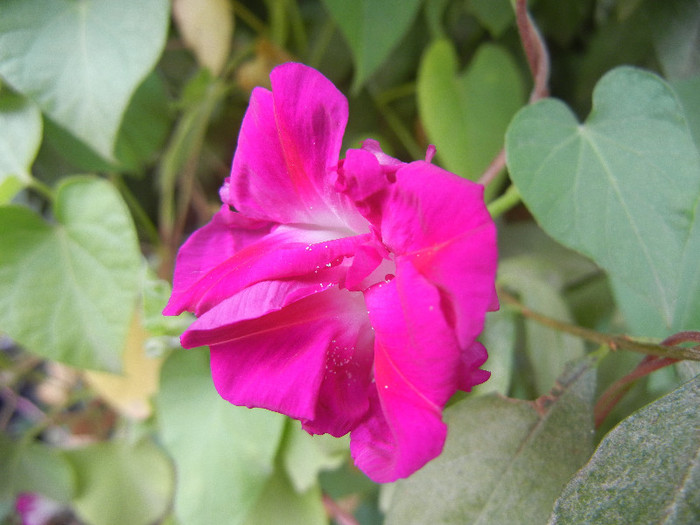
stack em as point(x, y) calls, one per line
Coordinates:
point(310, 359)
point(227, 233)
point(288, 145)
point(285, 252)
point(440, 223)
point(416, 367)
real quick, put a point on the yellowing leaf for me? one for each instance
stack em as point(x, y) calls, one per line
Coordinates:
point(206, 27)
point(129, 393)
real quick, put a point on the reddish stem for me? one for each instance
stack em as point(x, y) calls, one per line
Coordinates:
point(535, 51)
point(615, 392)
point(337, 513)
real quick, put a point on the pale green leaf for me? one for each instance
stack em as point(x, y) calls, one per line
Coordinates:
point(646, 470)
point(20, 136)
point(33, 467)
point(466, 114)
point(372, 28)
point(505, 461)
point(304, 456)
point(539, 288)
point(223, 454)
point(499, 338)
point(68, 289)
point(280, 503)
point(623, 189)
point(120, 483)
point(81, 60)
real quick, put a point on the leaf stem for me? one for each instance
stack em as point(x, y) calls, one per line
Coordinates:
point(505, 202)
point(399, 129)
point(614, 342)
point(43, 189)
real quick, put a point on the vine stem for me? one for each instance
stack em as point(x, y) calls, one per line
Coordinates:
point(614, 342)
point(538, 61)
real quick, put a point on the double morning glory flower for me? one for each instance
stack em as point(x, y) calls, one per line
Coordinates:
point(345, 293)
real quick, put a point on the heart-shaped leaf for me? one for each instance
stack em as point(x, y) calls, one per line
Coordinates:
point(81, 60)
point(20, 136)
point(68, 290)
point(505, 460)
point(120, 483)
point(623, 189)
point(646, 468)
point(466, 115)
point(224, 454)
point(372, 28)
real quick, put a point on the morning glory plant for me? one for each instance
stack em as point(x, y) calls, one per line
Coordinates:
point(340, 292)
point(420, 262)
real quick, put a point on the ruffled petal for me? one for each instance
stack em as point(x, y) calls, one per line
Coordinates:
point(286, 252)
point(416, 368)
point(439, 222)
point(310, 359)
point(288, 146)
point(227, 233)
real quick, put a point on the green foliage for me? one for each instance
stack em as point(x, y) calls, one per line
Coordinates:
point(138, 476)
point(364, 26)
point(146, 105)
point(81, 61)
point(20, 136)
point(645, 470)
point(224, 454)
point(505, 461)
point(582, 183)
point(68, 288)
point(466, 115)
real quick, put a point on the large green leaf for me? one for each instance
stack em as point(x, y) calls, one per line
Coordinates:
point(466, 114)
point(68, 289)
point(81, 60)
point(645, 470)
point(372, 29)
point(20, 136)
point(119, 483)
point(224, 455)
point(623, 189)
point(505, 461)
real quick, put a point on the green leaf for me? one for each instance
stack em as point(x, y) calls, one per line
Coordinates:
point(81, 60)
point(676, 35)
point(466, 114)
point(304, 456)
point(20, 136)
point(623, 189)
point(499, 338)
point(539, 288)
point(224, 455)
point(505, 461)
point(68, 289)
point(279, 503)
point(372, 28)
point(31, 467)
point(688, 92)
point(494, 15)
point(121, 483)
point(645, 470)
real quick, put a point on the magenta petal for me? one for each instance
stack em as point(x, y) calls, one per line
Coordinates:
point(440, 223)
point(288, 145)
point(287, 252)
point(226, 234)
point(310, 360)
point(416, 367)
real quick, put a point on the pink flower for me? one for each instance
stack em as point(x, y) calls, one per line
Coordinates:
point(347, 293)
